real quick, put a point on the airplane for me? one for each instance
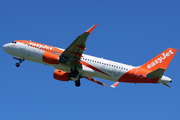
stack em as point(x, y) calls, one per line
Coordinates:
point(71, 64)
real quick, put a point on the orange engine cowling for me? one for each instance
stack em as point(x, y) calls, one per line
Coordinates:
point(50, 58)
point(61, 75)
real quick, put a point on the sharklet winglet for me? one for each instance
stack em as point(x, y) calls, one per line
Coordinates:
point(91, 29)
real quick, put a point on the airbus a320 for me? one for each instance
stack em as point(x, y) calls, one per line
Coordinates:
point(71, 64)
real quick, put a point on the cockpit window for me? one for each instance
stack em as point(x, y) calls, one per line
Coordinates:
point(14, 42)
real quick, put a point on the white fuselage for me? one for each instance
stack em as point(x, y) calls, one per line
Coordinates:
point(114, 69)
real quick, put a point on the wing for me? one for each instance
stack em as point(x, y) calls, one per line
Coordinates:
point(75, 50)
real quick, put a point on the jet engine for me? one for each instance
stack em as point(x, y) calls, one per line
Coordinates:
point(50, 58)
point(61, 75)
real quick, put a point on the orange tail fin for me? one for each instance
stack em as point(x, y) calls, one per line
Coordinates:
point(160, 61)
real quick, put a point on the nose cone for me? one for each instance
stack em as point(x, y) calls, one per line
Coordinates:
point(5, 47)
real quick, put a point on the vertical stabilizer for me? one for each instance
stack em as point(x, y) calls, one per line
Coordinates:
point(160, 61)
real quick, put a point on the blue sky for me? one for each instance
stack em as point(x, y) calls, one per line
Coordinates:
point(131, 32)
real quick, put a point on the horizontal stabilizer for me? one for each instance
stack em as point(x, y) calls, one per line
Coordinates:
point(165, 84)
point(115, 84)
point(158, 73)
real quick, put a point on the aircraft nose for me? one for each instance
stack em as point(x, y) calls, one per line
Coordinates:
point(5, 47)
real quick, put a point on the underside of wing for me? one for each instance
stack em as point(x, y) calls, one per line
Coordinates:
point(75, 50)
point(74, 53)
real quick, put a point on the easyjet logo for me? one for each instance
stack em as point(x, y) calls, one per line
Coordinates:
point(160, 59)
point(41, 46)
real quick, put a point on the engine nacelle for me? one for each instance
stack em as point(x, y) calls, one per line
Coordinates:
point(50, 58)
point(61, 75)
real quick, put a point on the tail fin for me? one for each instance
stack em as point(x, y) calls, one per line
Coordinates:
point(161, 61)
